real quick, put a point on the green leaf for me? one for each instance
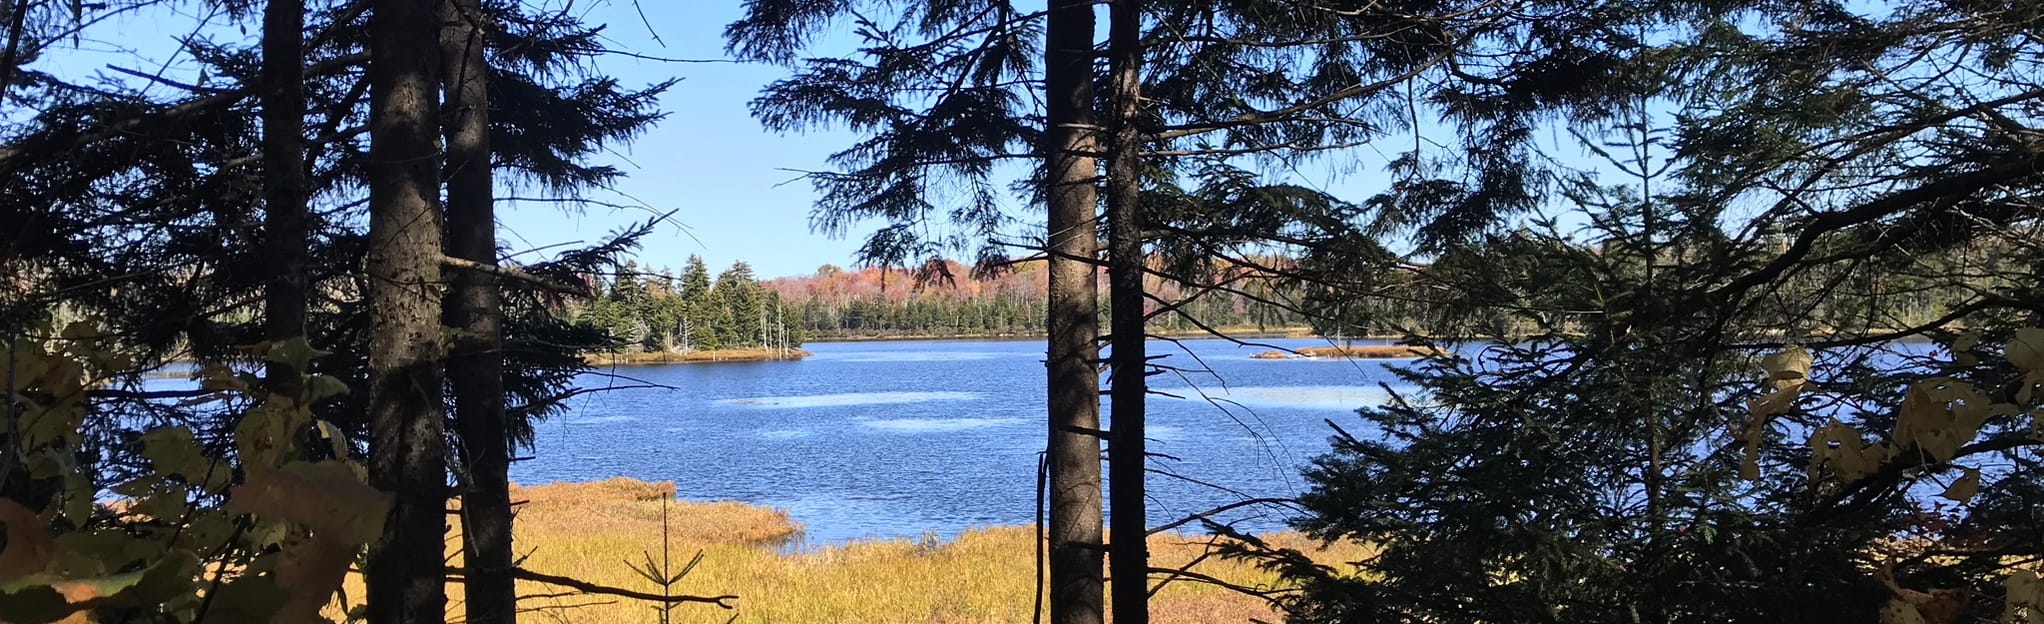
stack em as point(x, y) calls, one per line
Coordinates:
point(336, 440)
point(295, 352)
point(1790, 363)
point(29, 361)
point(251, 598)
point(34, 604)
point(267, 431)
point(2026, 349)
point(43, 598)
point(322, 387)
point(266, 533)
point(1965, 488)
point(174, 452)
point(2025, 595)
point(325, 497)
point(99, 552)
point(1966, 341)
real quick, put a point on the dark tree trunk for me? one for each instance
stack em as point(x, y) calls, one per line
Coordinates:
point(475, 309)
point(475, 362)
point(285, 236)
point(1129, 554)
point(407, 443)
point(1073, 377)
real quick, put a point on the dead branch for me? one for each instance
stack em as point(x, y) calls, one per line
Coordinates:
point(1218, 510)
point(725, 601)
point(512, 273)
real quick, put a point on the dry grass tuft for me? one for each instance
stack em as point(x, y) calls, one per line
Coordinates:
point(985, 576)
point(620, 506)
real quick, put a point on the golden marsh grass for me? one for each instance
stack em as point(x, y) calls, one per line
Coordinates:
point(985, 576)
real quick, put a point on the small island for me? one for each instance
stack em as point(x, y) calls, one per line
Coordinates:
point(1359, 352)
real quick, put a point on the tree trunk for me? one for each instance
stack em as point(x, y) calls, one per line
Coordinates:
point(475, 311)
point(285, 237)
point(407, 445)
point(1129, 549)
point(1072, 377)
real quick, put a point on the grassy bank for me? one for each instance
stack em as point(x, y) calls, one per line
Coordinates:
point(589, 530)
point(693, 357)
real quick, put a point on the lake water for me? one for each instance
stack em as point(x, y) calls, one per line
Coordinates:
point(899, 439)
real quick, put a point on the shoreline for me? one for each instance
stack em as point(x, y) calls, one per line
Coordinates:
point(1232, 332)
point(694, 357)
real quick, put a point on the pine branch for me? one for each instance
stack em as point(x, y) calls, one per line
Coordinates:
point(513, 273)
point(133, 125)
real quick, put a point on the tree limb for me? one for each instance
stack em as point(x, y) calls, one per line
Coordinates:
point(724, 601)
point(512, 273)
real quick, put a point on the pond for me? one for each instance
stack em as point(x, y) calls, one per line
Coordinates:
point(903, 439)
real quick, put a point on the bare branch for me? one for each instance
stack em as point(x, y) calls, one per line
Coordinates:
point(724, 601)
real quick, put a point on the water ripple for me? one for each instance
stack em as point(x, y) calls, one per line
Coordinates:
point(850, 398)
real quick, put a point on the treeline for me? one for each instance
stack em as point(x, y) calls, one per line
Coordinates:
point(944, 298)
point(656, 311)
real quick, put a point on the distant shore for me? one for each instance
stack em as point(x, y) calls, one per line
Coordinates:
point(1232, 332)
point(700, 356)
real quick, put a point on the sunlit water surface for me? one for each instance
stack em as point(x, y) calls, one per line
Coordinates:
point(892, 439)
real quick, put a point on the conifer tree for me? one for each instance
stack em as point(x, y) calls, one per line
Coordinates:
point(698, 313)
point(285, 217)
point(407, 344)
point(1633, 446)
point(941, 90)
point(737, 297)
point(93, 162)
point(474, 312)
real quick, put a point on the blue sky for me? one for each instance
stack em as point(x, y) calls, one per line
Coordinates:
point(725, 178)
point(730, 184)
point(732, 187)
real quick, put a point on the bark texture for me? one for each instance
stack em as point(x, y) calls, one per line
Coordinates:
point(406, 345)
point(474, 313)
point(285, 220)
point(1129, 554)
point(1073, 379)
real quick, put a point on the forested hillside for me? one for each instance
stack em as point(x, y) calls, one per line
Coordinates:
point(944, 298)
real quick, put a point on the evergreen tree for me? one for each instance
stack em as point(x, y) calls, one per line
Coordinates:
point(407, 444)
point(474, 311)
point(92, 163)
point(668, 311)
point(942, 91)
point(699, 312)
point(740, 316)
point(1637, 444)
point(630, 309)
point(285, 192)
